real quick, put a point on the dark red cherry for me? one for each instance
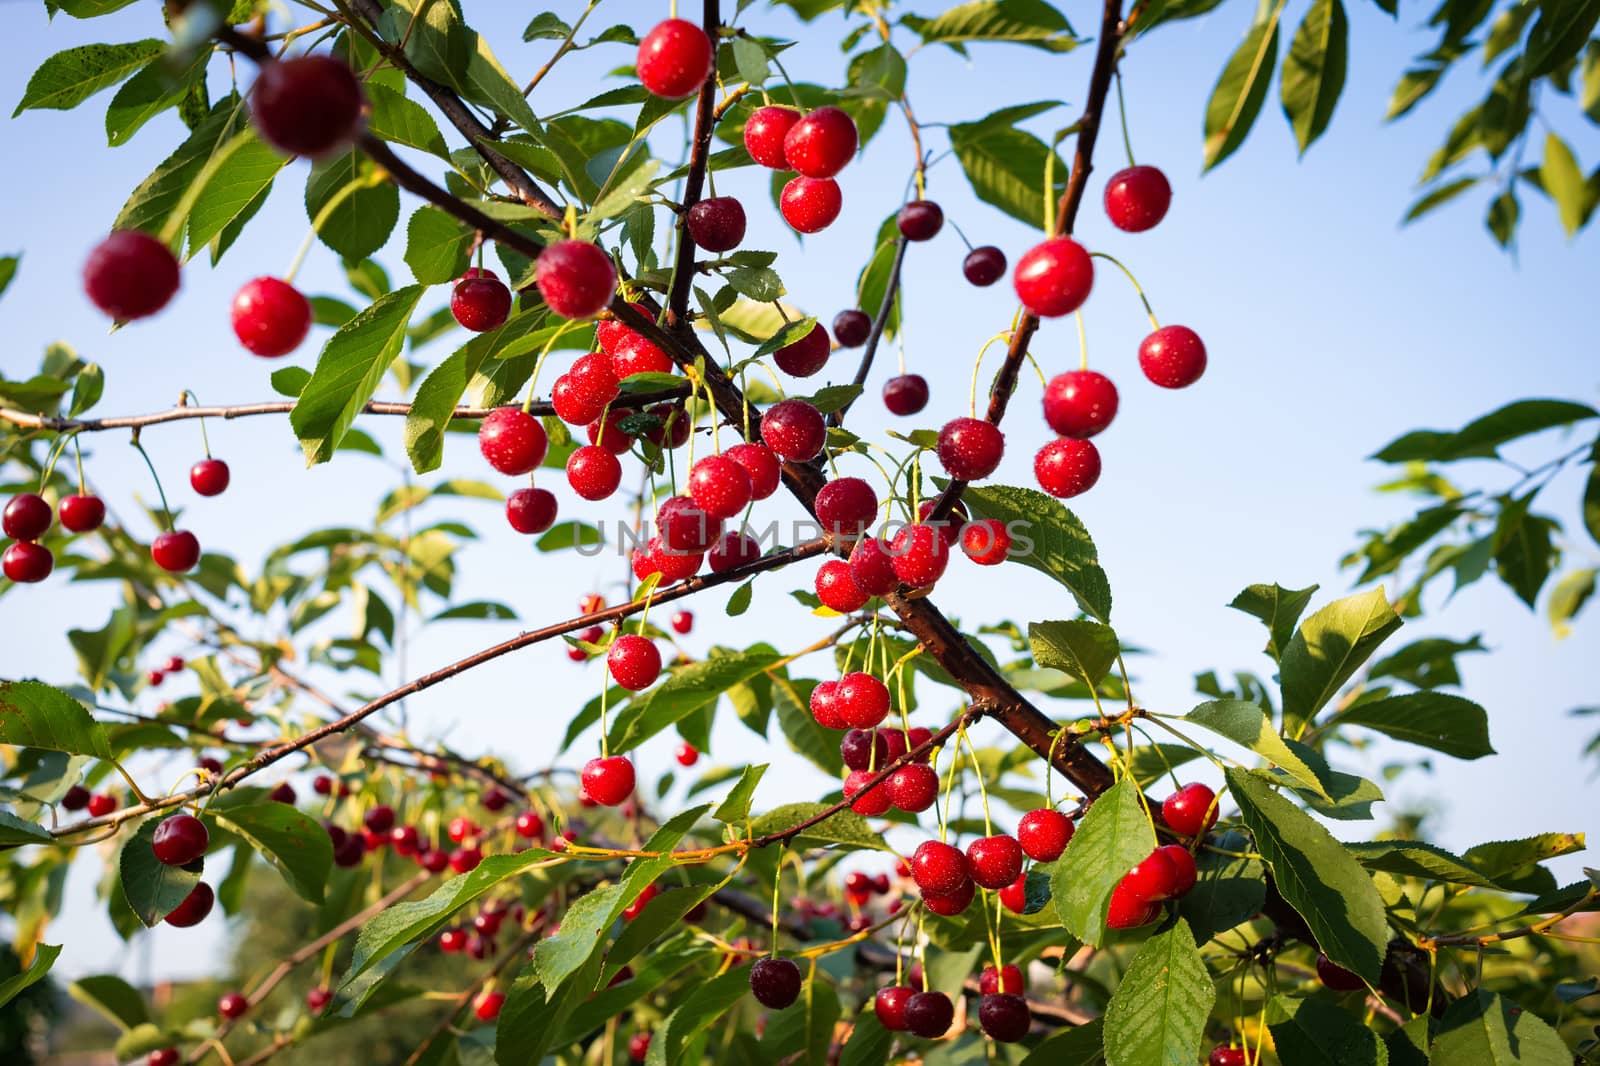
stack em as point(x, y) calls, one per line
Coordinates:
point(1004, 1017)
point(810, 204)
point(179, 840)
point(232, 1005)
point(1054, 278)
point(732, 550)
point(1080, 403)
point(130, 275)
point(209, 477)
point(851, 328)
point(26, 517)
point(984, 266)
point(920, 220)
point(176, 551)
point(1137, 198)
point(906, 394)
point(194, 908)
point(480, 301)
point(1337, 977)
point(970, 448)
point(775, 982)
point(765, 132)
point(794, 430)
point(717, 224)
point(531, 510)
point(846, 506)
point(309, 105)
point(929, 1014)
point(862, 749)
point(576, 278)
point(1173, 357)
point(1065, 467)
point(82, 514)
point(805, 356)
point(270, 317)
point(675, 59)
point(821, 144)
point(890, 1006)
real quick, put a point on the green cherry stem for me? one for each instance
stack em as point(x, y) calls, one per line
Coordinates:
point(1114, 261)
point(977, 768)
point(777, 883)
point(205, 440)
point(165, 509)
point(1122, 113)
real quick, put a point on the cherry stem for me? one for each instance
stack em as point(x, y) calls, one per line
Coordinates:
point(538, 364)
point(205, 441)
point(794, 94)
point(1114, 261)
point(777, 882)
point(299, 257)
point(58, 448)
point(77, 451)
point(1122, 113)
point(977, 768)
point(165, 509)
point(960, 234)
point(1083, 342)
point(972, 393)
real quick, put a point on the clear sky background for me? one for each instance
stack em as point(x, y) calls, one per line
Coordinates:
point(1331, 330)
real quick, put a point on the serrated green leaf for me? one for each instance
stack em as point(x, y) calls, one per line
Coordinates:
point(240, 174)
point(1084, 649)
point(1230, 887)
point(348, 372)
point(1417, 858)
point(352, 204)
point(68, 78)
point(1436, 720)
point(436, 246)
point(736, 807)
point(151, 91)
point(704, 1005)
point(1006, 167)
point(688, 689)
point(1485, 1029)
point(791, 701)
point(113, 997)
point(403, 121)
point(1113, 835)
point(35, 715)
point(1278, 608)
point(1028, 22)
point(1158, 1013)
point(1247, 724)
point(290, 840)
point(1049, 538)
point(1318, 1033)
point(44, 957)
point(843, 828)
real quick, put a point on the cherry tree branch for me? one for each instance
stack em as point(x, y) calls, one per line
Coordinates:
point(705, 124)
point(879, 322)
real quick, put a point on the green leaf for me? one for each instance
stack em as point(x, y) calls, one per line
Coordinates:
point(1485, 1029)
point(1327, 650)
point(1314, 69)
point(709, 1001)
point(8, 270)
point(406, 922)
point(869, 1042)
point(1436, 720)
point(152, 888)
point(293, 842)
point(844, 828)
point(1563, 181)
point(736, 808)
point(436, 246)
point(1317, 876)
point(1113, 835)
point(148, 93)
point(152, 204)
point(44, 956)
point(1561, 30)
point(1049, 538)
point(352, 204)
point(873, 283)
point(348, 372)
point(1438, 196)
point(35, 715)
point(1504, 211)
point(1249, 726)
point(403, 121)
point(1229, 888)
point(793, 707)
point(15, 831)
point(1568, 598)
point(1158, 1013)
point(1278, 608)
point(1086, 650)
point(583, 927)
point(1082, 1045)
point(1481, 437)
point(1408, 1045)
point(68, 78)
point(113, 997)
point(1503, 859)
point(1318, 1033)
point(1006, 167)
point(1417, 858)
point(1030, 22)
point(87, 389)
point(243, 172)
point(1525, 552)
point(689, 689)
point(1240, 91)
point(626, 192)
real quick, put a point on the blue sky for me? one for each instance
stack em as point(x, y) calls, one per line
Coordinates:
point(1331, 330)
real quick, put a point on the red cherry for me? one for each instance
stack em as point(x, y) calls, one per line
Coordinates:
point(896, 739)
point(639, 1047)
point(573, 404)
point(1004, 1017)
point(576, 278)
point(821, 144)
point(609, 331)
point(380, 819)
point(605, 432)
point(27, 517)
point(1153, 878)
point(194, 908)
point(794, 430)
point(1015, 895)
point(890, 1006)
point(130, 275)
point(531, 510)
point(1007, 979)
point(970, 448)
point(270, 317)
point(846, 506)
point(920, 554)
point(594, 374)
point(27, 563)
point(608, 781)
point(719, 486)
point(994, 861)
point(949, 528)
point(350, 851)
point(1183, 867)
point(986, 542)
point(1054, 278)
point(638, 354)
point(1080, 403)
point(1229, 1056)
point(764, 134)
point(914, 787)
point(406, 839)
point(867, 802)
point(763, 466)
point(480, 301)
point(1173, 357)
point(488, 1006)
point(529, 825)
point(209, 477)
point(82, 514)
point(1137, 198)
point(283, 793)
point(512, 440)
point(179, 840)
point(939, 867)
point(672, 565)
point(863, 700)
point(717, 224)
point(1189, 810)
point(174, 664)
point(837, 589)
point(687, 754)
point(675, 59)
point(635, 662)
point(1129, 910)
point(682, 622)
point(775, 982)
point(176, 552)
point(155, 677)
point(862, 749)
point(432, 860)
point(732, 550)
point(851, 328)
point(685, 527)
point(76, 798)
point(465, 859)
point(317, 999)
point(633, 910)
point(920, 220)
point(460, 828)
point(906, 394)
point(1065, 467)
point(824, 705)
point(1044, 834)
point(309, 105)
point(984, 266)
point(872, 567)
point(805, 356)
point(593, 472)
point(232, 1005)
point(1336, 977)
point(591, 603)
point(929, 1014)
point(810, 204)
